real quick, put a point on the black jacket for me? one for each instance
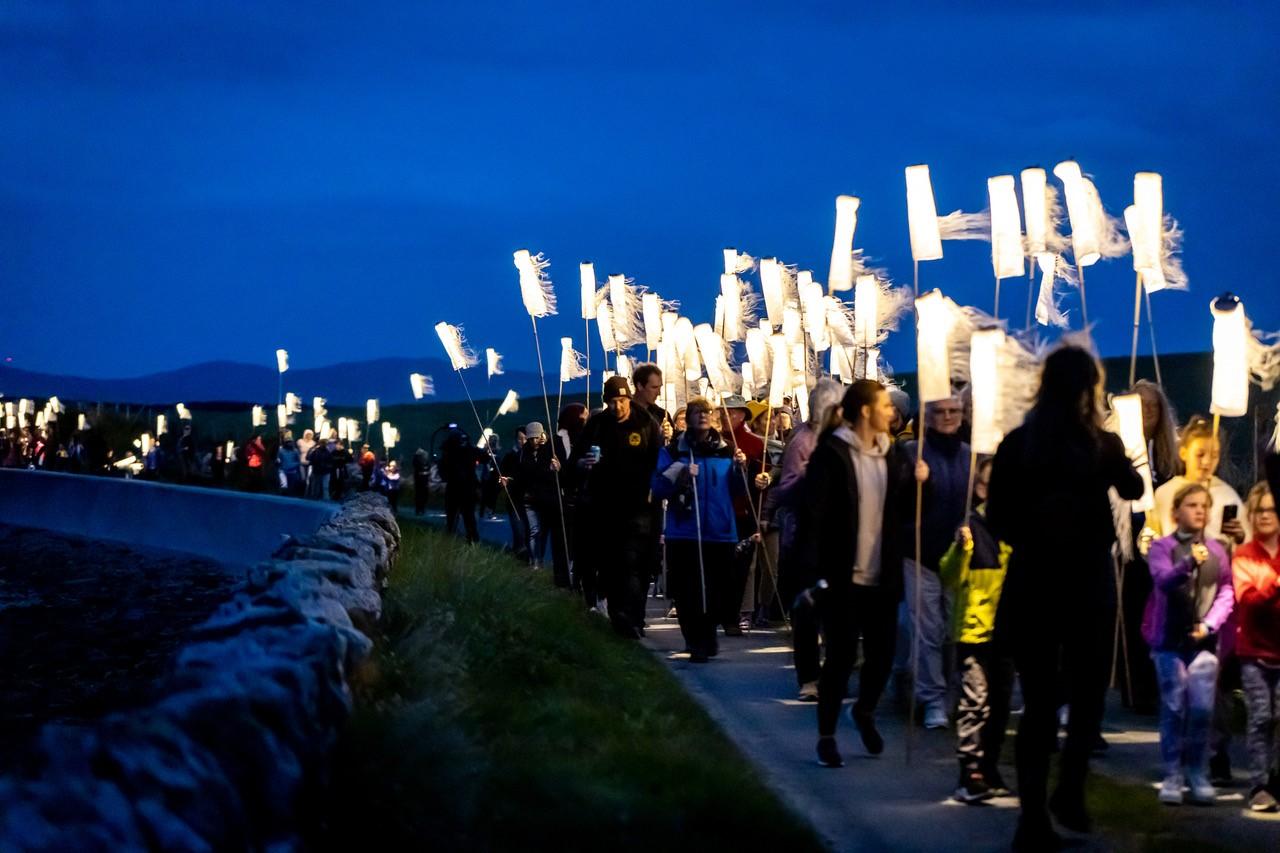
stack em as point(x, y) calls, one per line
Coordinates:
point(619, 482)
point(538, 482)
point(828, 517)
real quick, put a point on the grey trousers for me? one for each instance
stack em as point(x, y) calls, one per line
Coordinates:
point(986, 684)
point(1262, 702)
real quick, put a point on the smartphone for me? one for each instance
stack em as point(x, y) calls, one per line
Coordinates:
point(1229, 512)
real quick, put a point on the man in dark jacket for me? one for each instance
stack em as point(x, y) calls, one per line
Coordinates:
point(512, 485)
point(539, 468)
point(948, 458)
point(421, 480)
point(458, 461)
point(613, 462)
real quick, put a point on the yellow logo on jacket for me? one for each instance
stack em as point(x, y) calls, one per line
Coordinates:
point(634, 439)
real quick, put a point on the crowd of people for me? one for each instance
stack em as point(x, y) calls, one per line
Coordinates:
point(960, 576)
point(887, 545)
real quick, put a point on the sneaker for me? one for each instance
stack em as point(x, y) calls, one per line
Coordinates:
point(1202, 791)
point(828, 753)
point(1261, 800)
point(671, 614)
point(866, 726)
point(809, 692)
point(935, 717)
point(999, 788)
point(972, 789)
point(1171, 790)
point(1220, 770)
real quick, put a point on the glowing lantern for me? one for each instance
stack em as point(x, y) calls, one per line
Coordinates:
point(604, 321)
point(984, 385)
point(535, 289)
point(1230, 357)
point(841, 275)
point(933, 363)
point(371, 411)
point(81, 422)
point(652, 309)
point(780, 381)
point(1035, 210)
point(771, 284)
point(510, 403)
point(813, 304)
point(758, 353)
point(282, 415)
point(1084, 232)
point(922, 215)
point(282, 361)
point(390, 435)
point(712, 348)
point(792, 326)
point(866, 308)
point(451, 339)
point(587, 279)
point(162, 425)
point(1145, 222)
point(1006, 231)
point(493, 361)
point(1128, 409)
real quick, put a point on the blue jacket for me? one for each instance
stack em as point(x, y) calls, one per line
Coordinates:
point(719, 480)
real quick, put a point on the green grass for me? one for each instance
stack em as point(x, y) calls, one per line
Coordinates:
point(496, 714)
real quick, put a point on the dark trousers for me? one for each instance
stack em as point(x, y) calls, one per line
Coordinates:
point(685, 578)
point(545, 528)
point(623, 555)
point(793, 579)
point(461, 501)
point(1062, 652)
point(1138, 690)
point(986, 683)
point(848, 611)
point(421, 492)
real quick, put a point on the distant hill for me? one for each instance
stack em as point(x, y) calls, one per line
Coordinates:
point(348, 383)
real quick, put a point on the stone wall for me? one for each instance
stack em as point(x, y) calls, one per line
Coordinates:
point(252, 708)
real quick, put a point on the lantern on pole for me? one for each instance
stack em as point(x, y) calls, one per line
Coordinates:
point(922, 215)
point(371, 411)
point(841, 274)
point(1006, 230)
point(1035, 210)
point(1230, 357)
point(1085, 247)
point(1128, 410)
point(933, 359)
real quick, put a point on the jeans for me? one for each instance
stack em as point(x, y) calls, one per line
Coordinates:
point(1262, 702)
point(934, 621)
point(544, 526)
point(1187, 687)
point(686, 577)
point(986, 683)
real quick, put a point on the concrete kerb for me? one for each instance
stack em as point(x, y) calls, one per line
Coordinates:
point(250, 713)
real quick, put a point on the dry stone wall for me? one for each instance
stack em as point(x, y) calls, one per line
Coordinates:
point(251, 710)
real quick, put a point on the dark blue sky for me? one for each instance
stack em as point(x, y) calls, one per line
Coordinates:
point(189, 181)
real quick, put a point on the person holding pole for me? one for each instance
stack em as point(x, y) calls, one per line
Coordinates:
point(858, 494)
point(949, 459)
point(697, 477)
point(613, 460)
point(1048, 500)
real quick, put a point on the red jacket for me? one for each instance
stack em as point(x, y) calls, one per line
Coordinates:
point(1254, 574)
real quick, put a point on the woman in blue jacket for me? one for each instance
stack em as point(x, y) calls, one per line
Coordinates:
point(699, 475)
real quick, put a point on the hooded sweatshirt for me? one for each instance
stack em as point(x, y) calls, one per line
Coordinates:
point(872, 471)
point(1185, 593)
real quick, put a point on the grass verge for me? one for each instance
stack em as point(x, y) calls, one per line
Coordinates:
point(497, 715)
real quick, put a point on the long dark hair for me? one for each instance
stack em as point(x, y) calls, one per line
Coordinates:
point(1066, 420)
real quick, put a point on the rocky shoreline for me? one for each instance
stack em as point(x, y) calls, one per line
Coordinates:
point(248, 715)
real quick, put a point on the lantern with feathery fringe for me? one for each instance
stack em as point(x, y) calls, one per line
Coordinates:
point(922, 215)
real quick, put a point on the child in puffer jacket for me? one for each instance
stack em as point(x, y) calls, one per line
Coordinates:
point(973, 569)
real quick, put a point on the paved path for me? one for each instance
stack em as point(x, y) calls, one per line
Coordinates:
point(882, 803)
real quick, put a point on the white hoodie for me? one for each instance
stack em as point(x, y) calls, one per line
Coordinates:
point(871, 469)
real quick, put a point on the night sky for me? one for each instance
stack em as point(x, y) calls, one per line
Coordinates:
point(182, 182)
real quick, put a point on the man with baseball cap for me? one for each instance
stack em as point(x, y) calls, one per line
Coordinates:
point(613, 462)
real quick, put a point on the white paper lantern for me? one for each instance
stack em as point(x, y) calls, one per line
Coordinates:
point(1145, 223)
point(1230, 358)
point(933, 361)
point(841, 275)
point(922, 215)
point(1006, 231)
point(451, 339)
point(1128, 410)
point(535, 290)
point(1035, 210)
point(866, 311)
point(371, 411)
point(282, 361)
point(984, 385)
point(282, 415)
point(651, 308)
point(493, 361)
point(587, 285)
point(510, 403)
point(780, 380)
point(771, 284)
point(1084, 233)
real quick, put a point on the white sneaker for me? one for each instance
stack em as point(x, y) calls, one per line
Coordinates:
point(1171, 790)
point(934, 716)
point(1202, 791)
point(808, 692)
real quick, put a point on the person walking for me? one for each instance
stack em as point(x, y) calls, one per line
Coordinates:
point(538, 476)
point(973, 571)
point(949, 458)
point(613, 463)
point(786, 500)
point(1048, 500)
point(1256, 575)
point(421, 480)
point(458, 462)
point(859, 495)
point(699, 474)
